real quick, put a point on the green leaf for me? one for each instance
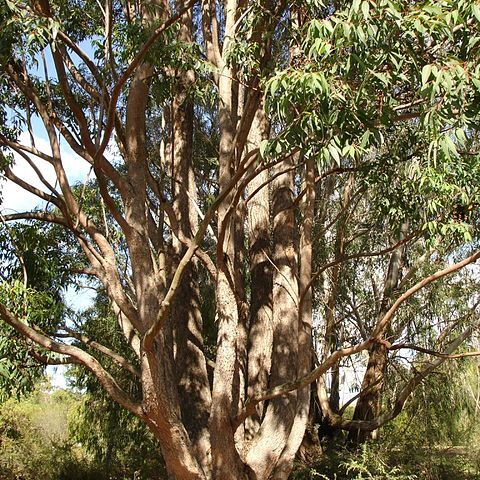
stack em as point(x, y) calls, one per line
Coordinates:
point(366, 10)
point(476, 11)
point(263, 147)
point(356, 5)
point(334, 153)
point(426, 71)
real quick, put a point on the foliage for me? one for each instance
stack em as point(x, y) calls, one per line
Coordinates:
point(36, 271)
point(117, 441)
point(435, 437)
point(369, 462)
point(18, 369)
point(365, 70)
point(35, 443)
point(370, 140)
point(59, 435)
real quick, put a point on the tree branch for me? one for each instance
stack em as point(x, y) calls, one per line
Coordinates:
point(79, 355)
point(426, 281)
point(129, 71)
point(167, 301)
point(118, 359)
point(285, 388)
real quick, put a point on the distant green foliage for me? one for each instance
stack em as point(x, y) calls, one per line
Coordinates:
point(32, 286)
point(18, 370)
point(436, 437)
point(117, 440)
point(34, 441)
point(61, 435)
point(369, 462)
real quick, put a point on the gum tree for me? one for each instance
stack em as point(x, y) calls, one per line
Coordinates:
point(208, 187)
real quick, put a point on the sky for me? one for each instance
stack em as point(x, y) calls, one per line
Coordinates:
point(16, 199)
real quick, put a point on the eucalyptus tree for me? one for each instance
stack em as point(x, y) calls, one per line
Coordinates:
point(379, 91)
point(208, 184)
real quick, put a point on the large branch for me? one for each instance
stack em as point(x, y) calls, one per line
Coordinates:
point(33, 190)
point(42, 216)
point(195, 242)
point(37, 171)
point(285, 388)
point(29, 149)
point(103, 263)
point(118, 359)
point(423, 283)
point(112, 107)
point(45, 360)
point(375, 423)
point(288, 387)
point(79, 355)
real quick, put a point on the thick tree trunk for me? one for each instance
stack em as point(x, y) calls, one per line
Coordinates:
point(226, 461)
point(190, 364)
point(271, 439)
point(261, 331)
point(186, 319)
point(297, 433)
point(163, 415)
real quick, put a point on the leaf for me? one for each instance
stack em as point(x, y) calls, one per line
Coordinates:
point(263, 147)
point(334, 153)
point(382, 77)
point(355, 5)
point(460, 134)
point(366, 10)
point(426, 71)
point(476, 11)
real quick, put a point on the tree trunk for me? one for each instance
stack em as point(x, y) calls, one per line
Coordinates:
point(187, 326)
point(226, 461)
point(163, 415)
point(271, 439)
point(297, 433)
point(369, 403)
point(261, 332)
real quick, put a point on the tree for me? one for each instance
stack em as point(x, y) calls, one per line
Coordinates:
point(173, 84)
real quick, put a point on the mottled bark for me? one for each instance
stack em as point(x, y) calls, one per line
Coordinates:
point(304, 361)
point(186, 320)
point(226, 463)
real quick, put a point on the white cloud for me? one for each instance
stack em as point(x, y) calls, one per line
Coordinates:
point(16, 199)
